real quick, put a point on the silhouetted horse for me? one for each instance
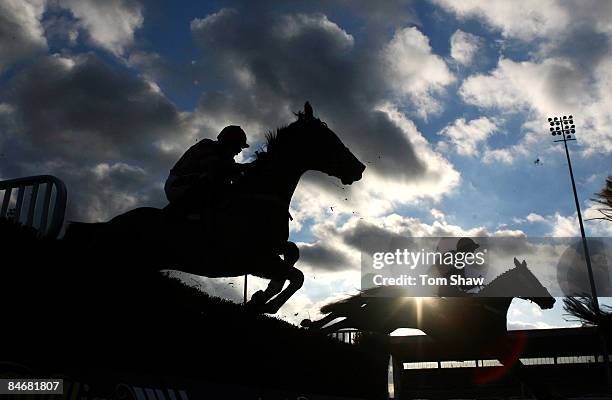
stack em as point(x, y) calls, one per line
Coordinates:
point(247, 231)
point(475, 323)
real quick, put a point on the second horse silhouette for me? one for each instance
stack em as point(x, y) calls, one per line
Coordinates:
point(247, 232)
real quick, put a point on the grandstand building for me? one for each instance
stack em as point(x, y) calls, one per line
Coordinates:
point(568, 359)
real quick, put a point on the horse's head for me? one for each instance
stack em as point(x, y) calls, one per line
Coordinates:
point(320, 149)
point(528, 281)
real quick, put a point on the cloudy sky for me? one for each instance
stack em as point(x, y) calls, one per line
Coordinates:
point(445, 102)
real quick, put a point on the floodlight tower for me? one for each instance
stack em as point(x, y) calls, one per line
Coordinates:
point(565, 128)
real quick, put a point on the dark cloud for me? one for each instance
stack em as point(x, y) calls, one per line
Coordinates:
point(575, 47)
point(371, 238)
point(98, 122)
point(82, 109)
point(60, 27)
point(21, 34)
point(104, 191)
point(93, 125)
point(271, 63)
point(322, 256)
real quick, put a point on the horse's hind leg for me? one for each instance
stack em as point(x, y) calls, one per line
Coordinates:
point(296, 280)
point(291, 254)
point(260, 297)
point(278, 271)
point(345, 323)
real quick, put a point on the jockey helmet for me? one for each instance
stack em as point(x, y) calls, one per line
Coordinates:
point(233, 134)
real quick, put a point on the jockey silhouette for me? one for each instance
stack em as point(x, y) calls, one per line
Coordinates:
point(464, 245)
point(205, 170)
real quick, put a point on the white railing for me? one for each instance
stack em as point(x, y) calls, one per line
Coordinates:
point(48, 217)
point(345, 335)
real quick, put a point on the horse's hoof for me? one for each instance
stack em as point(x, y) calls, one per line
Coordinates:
point(306, 323)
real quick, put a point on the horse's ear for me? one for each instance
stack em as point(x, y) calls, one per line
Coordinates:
point(308, 111)
point(517, 264)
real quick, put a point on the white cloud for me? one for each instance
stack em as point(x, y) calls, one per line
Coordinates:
point(414, 71)
point(533, 217)
point(466, 136)
point(110, 24)
point(211, 19)
point(523, 19)
point(293, 26)
point(504, 156)
point(526, 20)
point(21, 32)
point(535, 311)
point(437, 214)
point(568, 68)
point(515, 312)
point(516, 325)
point(522, 86)
point(568, 226)
point(596, 227)
point(464, 46)
point(554, 86)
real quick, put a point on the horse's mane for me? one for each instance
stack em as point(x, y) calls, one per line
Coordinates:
point(274, 139)
point(498, 279)
point(267, 152)
point(272, 144)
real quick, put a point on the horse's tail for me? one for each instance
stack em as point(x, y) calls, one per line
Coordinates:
point(345, 305)
point(351, 303)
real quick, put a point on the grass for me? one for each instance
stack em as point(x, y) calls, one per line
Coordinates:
point(71, 308)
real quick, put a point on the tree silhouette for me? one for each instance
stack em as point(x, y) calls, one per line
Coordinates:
point(604, 197)
point(583, 310)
